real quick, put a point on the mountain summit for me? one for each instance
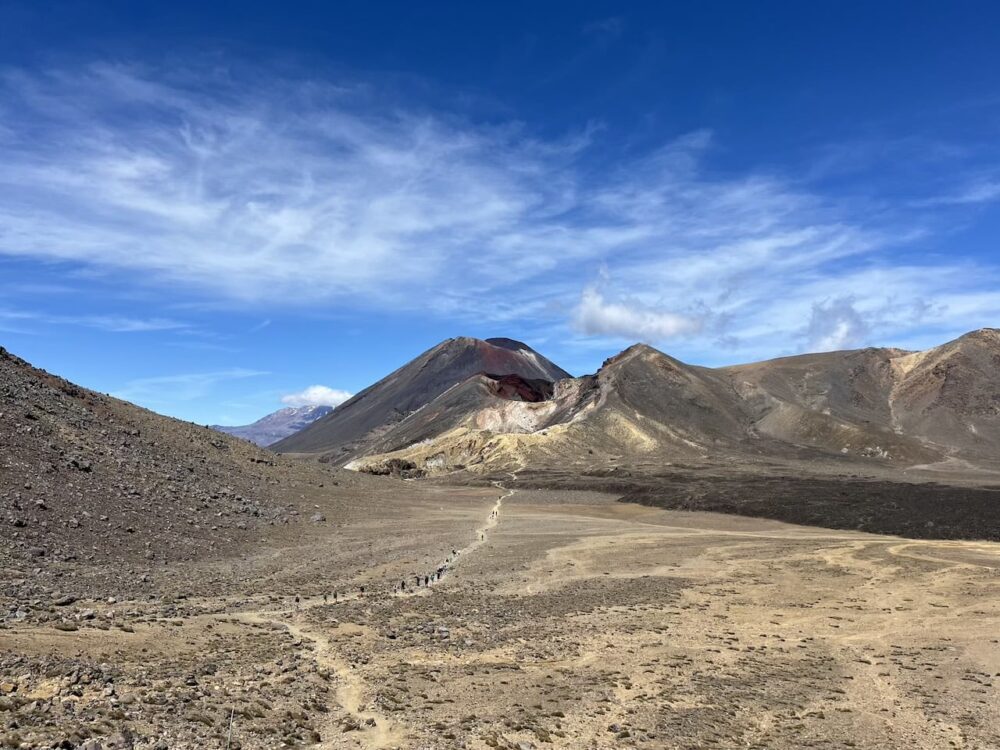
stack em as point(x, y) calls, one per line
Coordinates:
point(277, 425)
point(359, 422)
point(869, 408)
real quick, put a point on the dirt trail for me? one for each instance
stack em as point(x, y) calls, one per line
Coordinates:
point(968, 554)
point(491, 521)
point(379, 731)
point(584, 622)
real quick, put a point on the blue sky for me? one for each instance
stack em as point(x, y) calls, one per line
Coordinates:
point(208, 208)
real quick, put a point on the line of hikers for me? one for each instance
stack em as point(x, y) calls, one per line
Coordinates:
point(425, 580)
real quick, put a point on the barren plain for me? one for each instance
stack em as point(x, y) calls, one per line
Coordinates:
point(562, 619)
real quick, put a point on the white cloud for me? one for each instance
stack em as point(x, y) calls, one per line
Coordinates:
point(836, 324)
point(316, 395)
point(124, 324)
point(111, 323)
point(291, 191)
point(296, 192)
point(169, 389)
point(977, 191)
point(595, 315)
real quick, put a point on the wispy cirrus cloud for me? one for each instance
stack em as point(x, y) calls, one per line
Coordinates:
point(111, 323)
point(293, 192)
point(124, 324)
point(289, 189)
point(171, 389)
point(975, 191)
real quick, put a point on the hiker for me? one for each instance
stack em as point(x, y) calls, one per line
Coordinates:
point(362, 590)
point(334, 597)
point(402, 585)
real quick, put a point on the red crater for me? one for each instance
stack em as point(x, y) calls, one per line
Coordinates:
point(516, 388)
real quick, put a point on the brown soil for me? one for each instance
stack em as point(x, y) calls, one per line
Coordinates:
point(566, 620)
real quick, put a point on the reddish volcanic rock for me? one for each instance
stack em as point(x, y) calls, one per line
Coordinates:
point(362, 420)
point(516, 388)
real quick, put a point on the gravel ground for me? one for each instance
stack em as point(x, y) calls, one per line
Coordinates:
point(566, 619)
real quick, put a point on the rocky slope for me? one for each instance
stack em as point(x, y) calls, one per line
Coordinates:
point(883, 408)
point(88, 479)
point(950, 395)
point(277, 425)
point(362, 422)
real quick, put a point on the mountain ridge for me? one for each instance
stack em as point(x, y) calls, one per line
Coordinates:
point(277, 425)
point(884, 407)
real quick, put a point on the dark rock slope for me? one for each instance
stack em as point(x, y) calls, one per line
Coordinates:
point(85, 478)
point(360, 422)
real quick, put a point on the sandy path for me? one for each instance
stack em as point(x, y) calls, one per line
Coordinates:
point(377, 729)
point(491, 522)
point(583, 622)
point(884, 641)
